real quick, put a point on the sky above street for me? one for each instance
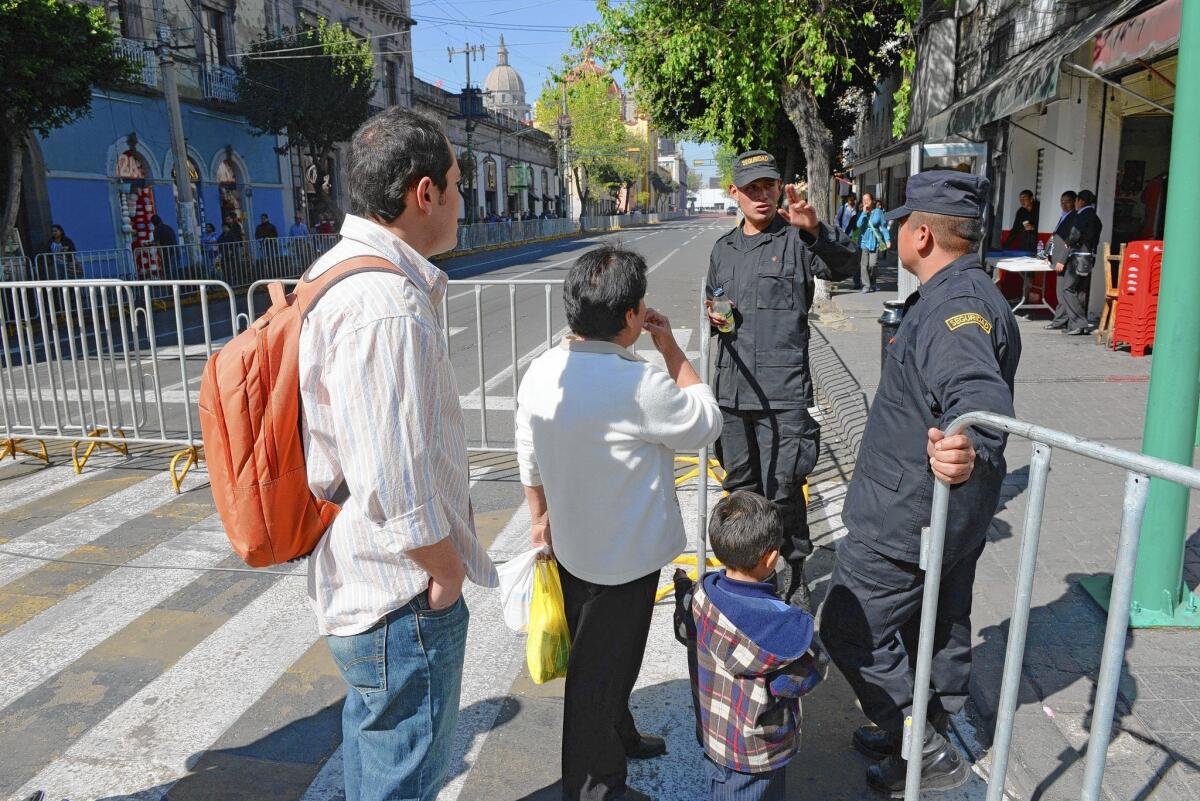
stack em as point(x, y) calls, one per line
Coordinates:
point(537, 35)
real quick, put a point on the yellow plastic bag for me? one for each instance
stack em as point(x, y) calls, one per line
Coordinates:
point(549, 643)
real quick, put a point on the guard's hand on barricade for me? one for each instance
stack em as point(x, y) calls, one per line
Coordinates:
point(952, 459)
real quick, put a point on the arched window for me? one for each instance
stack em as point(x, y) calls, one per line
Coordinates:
point(230, 186)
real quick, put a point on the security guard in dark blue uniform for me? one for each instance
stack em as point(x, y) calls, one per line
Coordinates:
point(768, 266)
point(956, 351)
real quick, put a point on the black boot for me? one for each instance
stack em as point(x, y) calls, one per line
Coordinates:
point(874, 742)
point(942, 768)
point(791, 584)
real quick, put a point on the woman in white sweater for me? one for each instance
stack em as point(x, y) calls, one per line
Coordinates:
point(597, 432)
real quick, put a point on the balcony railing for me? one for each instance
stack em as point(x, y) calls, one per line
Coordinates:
point(218, 82)
point(143, 56)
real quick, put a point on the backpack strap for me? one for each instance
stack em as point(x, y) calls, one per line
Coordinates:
point(309, 291)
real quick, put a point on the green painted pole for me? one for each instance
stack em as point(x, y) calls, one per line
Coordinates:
point(1159, 595)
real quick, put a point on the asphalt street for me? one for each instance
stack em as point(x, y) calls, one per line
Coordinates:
point(138, 661)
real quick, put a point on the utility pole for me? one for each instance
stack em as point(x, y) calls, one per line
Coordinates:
point(470, 51)
point(186, 212)
point(1160, 597)
point(564, 133)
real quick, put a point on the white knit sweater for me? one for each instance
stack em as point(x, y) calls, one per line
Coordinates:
point(598, 427)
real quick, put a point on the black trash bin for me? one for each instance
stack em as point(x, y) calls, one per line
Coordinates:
point(889, 323)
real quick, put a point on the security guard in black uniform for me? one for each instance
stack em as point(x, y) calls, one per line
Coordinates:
point(768, 266)
point(956, 351)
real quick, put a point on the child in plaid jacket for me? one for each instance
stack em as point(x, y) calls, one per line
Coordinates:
point(752, 656)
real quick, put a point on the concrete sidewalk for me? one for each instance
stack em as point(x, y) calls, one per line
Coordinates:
point(1070, 384)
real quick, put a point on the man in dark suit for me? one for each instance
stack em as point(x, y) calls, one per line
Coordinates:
point(1082, 242)
point(1058, 254)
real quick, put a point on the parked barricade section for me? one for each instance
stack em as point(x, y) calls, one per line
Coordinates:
point(1044, 441)
point(108, 364)
point(238, 264)
point(491, 234)
point(494, 329)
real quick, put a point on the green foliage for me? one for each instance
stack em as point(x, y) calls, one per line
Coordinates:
point(724, 158)
point(599, 147)
point(718, 71)
point(52, 52)
point(316, 101)
point(693, 182)
point(902, 99)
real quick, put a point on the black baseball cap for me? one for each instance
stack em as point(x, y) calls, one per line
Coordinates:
point(948, 192)
point(748, 167)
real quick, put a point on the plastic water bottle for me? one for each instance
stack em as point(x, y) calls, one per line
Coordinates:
point(723, 306)
point(1041, 251)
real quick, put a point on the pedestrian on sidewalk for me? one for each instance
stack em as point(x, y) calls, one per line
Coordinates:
point(1058, 253)
point(871, 233)
point(846, 213)
point(384, 436)
point(768, 266)
point(1082, 241)
point(753, 660)
point(956, 351)
point(597, 428)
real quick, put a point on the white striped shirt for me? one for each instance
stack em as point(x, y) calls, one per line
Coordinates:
point(382, 424)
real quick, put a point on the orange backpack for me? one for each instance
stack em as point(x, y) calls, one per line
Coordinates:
point(250, 420)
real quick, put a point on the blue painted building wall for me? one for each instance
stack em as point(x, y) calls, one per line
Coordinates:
point(80, 166)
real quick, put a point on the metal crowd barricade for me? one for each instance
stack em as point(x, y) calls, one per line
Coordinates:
point(238, 264)
point(106, 364)
point(1137, 484)
point(477, 291)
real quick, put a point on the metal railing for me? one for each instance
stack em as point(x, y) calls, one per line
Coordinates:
point(103, 363)
point(1044, 440)
point(218, 82)
point(238, 264)
point(477, 235)
point(478, 291)
point(143, 56)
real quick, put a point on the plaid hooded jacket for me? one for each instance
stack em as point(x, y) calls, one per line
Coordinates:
point(749, 691)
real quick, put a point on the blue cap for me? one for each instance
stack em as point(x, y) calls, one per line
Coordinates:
point(948, 192)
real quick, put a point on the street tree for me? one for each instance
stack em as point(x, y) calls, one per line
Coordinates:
point(52, 53)
point(600, 149)
point(312, 86)
point(693, 182)
point(723, 70)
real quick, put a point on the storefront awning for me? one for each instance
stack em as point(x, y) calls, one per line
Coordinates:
point(1145, 37)
point(1028, 78)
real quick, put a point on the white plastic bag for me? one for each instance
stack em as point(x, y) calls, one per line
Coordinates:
point(516, 588)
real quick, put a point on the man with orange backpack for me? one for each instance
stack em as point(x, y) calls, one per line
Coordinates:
point(368, 477)
point(384, 434)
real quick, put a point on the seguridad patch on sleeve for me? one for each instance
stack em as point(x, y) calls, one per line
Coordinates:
point(968, 318)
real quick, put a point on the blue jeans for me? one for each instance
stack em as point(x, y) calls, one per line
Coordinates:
point(405, 674)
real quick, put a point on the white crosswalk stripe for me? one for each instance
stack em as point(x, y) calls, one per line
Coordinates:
point(69, 629)
point(188, 707)
point(23, 490)
point(93, 521)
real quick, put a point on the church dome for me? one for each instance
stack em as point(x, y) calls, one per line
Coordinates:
point(504, 90)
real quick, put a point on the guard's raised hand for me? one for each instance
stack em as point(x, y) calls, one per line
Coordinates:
point(799, 213)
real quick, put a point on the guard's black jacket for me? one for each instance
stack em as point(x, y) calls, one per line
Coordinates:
point(763, 363)
point(956, 351)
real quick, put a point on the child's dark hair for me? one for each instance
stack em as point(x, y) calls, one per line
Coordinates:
point(744, 527)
